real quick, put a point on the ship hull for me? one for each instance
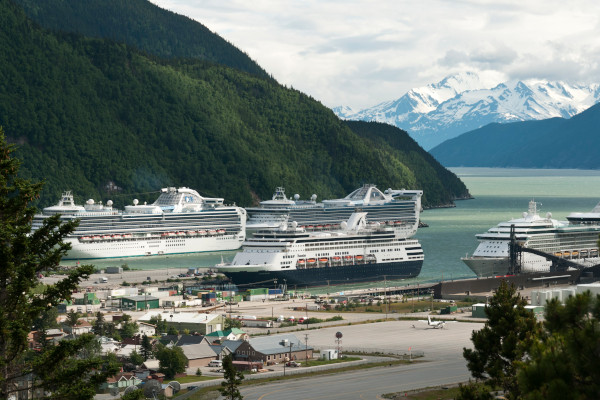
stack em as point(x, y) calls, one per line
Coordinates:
point(151, 247)
point(325, 276)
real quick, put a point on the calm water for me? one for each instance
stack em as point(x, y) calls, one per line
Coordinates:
point(500, 194)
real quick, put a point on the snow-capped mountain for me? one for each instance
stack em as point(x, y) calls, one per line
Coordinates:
point(461, 103)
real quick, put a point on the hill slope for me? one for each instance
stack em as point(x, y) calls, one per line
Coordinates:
point(105, 120)
point(141, 24)
point(551, 143)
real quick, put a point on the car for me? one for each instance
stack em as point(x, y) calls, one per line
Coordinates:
point(292, 364)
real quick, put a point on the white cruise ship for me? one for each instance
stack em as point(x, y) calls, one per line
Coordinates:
point(575, 239)
point(398, 208)
point(179, 221)
point(356, 252)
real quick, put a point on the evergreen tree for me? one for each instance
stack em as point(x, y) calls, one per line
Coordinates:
point(233, 379)
point(24, 255)
point(99, 326)
point(146, 350)
point(72, 318)
point(503, 340)
point(563, 362)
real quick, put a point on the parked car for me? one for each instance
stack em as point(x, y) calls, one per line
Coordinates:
point(292, 364)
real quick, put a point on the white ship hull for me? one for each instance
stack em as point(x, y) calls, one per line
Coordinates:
point(151, 246)
point(576, 241)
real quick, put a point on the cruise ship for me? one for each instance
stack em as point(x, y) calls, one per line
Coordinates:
point(179, 221)
point(575, 239)
point(356, 252)
point(398, 208)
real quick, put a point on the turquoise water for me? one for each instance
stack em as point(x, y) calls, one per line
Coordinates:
point(499, 195)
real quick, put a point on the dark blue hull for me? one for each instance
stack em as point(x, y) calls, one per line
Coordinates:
point(324, 276)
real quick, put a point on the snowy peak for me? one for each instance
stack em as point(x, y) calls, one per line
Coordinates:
point(463, 102)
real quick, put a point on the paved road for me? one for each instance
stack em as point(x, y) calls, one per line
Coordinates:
point(363, 384)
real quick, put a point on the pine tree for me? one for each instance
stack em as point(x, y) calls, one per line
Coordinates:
point(503, 340)
point(233, 379)
point(563, 362)
point(24, 255)
point(146, 350)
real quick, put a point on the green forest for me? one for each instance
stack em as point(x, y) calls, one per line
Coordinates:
point(107, 120)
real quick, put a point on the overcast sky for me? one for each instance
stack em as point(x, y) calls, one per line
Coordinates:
point(362, 52)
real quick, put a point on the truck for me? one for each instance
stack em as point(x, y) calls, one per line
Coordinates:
point(103, 279)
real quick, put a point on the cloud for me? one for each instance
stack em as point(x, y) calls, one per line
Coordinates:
point(360, 52)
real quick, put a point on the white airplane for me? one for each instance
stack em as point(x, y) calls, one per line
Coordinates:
point(435, 324)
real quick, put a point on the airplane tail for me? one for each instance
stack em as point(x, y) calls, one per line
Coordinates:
point(429, 319)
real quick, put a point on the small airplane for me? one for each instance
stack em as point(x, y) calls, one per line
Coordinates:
point(435, 324)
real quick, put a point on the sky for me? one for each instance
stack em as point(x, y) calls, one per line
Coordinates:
point(360, 53)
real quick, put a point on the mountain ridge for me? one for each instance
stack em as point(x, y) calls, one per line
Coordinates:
point(463, 102)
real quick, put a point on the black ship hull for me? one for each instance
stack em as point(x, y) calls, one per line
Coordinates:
point(324, 276)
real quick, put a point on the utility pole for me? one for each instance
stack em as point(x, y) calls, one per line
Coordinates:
point(306, 310)
point(385, 296)
point(306, 348)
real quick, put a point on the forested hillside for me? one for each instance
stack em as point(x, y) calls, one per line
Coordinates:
point(413, 160)
point(107, 121)
point(550, 143)
point(141, 24)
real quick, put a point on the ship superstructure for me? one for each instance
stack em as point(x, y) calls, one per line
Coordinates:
point(356, 252)
point(397, 208)
point(575, 239)
point(179, 221)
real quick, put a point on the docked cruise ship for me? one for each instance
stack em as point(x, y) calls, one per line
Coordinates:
point(398, 208)
point(575, 239)
point(356, 252)
point(179, 221)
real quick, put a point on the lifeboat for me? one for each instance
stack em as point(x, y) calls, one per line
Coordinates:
point(192, 233)
point(170, 234)
point(85, 238)
point(574, 253)
point(301, 261)
point(558, 254)
point(327, 226)
point(309, 226)
point(397, 222)
point(105, 237)
point(583, 253)
point(359, 257)
point(566, 254)
point(180, 233)
point(311, 261)
point(389, 222)
point(593, 253)
point(116, 237)
point(212, 232)
point(96, 238)
point(221, 231)
point(323, 260)
point(127, 236)
point(336, 259)
point(348, 258)
point(319, 227)
point(202, 233)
